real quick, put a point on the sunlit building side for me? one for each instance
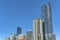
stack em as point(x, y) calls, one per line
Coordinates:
point(39, 32)
point(29, 35)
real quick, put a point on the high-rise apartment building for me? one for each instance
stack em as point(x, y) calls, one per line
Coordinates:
point(47, 16)
point(18, 30)
point(39, 32)
point(29, 35)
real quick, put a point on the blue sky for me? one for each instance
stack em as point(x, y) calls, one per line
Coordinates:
point(15, 13)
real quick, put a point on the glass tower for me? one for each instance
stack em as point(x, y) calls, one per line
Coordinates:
point(46, 15)
point(18, 31)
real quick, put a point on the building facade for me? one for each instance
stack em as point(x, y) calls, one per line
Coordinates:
point(38, 25)
point(12, 36)
point(47, 16)
point(29, 35)
point(19, 30)
point(20, 37)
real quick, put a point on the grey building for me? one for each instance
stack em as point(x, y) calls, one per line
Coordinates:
point(29, 35)
point(47, 16)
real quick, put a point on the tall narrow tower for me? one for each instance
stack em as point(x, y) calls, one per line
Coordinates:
point(46, 15)
point(18, 31)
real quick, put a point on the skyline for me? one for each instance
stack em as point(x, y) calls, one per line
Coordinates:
point(14, 16)
point(43, 27)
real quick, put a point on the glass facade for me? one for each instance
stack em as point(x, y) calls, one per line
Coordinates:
point(46, 15)
point(18, 31)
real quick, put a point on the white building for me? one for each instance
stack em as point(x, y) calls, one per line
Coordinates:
point(12, 36)
point(38, 25)
point(29, 35)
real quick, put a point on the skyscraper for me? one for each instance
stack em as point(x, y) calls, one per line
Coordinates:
point(29, 35)
point(39, 32)
point(43, 27)
point(47, 16)
point(18, 31)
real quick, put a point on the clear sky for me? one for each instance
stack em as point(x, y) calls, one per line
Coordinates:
point(21, 13)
